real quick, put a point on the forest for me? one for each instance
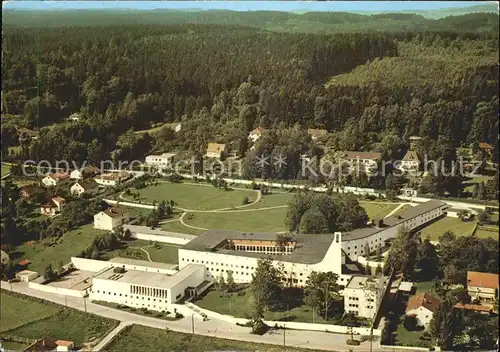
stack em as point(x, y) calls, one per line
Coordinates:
point(370, 89)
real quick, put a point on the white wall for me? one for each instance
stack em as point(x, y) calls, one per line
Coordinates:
point(57, 290)
point(89, 264)
point(163, 236)
point(128, 204)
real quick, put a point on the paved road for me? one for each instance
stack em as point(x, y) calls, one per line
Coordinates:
point(107, 339)
point(214, 328)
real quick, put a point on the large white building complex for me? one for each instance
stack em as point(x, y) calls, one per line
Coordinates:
point(223, 250)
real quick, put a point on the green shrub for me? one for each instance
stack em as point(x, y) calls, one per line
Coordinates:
point(178, 315)
point(353, 342)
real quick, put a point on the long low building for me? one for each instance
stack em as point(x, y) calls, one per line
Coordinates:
point(222, 250)
point(148, 289)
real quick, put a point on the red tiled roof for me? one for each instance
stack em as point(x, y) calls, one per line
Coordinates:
point(24, 262)
point(64, 343)
point(483, 145)
point(258, 130)
point(58, 199)
point(59, 176)
point(478, 279)
point(115, 211)
point(362, 155)
point(215, 148)
point(474, 307)
point(423, 300)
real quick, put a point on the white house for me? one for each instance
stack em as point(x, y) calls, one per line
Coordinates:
point(482, 286)
point(162, 160)
point(410, 162)
point(256, 133)
point(178, 128)
point(112, 178)
point(85, 187)
point(88, 171)
point(363, 294)
point(422, 307)
point(111, 218)
point(366, 161)
point(75, 117)
point(53, 206)
point(216, 150)
point(52, 180)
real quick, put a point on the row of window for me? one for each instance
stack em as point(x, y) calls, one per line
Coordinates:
point(353, 305)
point(354, 298)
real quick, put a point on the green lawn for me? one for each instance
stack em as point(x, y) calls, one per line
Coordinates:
point(470, 184)
point(30, 318)
point(5, 170)
point(163, 252)
point(425, 286)
point(455, 225)
point(140, 338)
point(51, 251)
point(377, 210)
point(409, 338)
point(176, 226)
point(486, 231)
point(272, 200)
point(196, 197)
point(239, 304)
point(270, 220)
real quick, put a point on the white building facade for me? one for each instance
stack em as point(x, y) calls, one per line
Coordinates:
point(111, 218)
point(363, 294)
point(162, 160)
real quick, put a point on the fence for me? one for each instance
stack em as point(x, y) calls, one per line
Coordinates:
point(402, 348)
point(57, 290)
point(340, 329)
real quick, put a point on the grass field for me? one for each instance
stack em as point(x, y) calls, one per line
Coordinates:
point(196, 197)
point(239, 304)
point(25, 317)
point(269, 220)
point(141, 338)
point(486, 232)
point(468, 186)
point(176, 226)
point(5, 170)
point(51, 251)
point(377, 210)
point(455, 225)
point(272, 200)
point(409, 338)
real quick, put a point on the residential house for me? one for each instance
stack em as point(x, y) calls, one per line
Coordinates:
point(366, 161)
point(477, 308)
point(161, 161)
point(52, 180)
point(85, 187)
point(53, 206)
point(28, 191)
point(363, 294)
point(410, 162)
point(256, 133)
point(87, 171)
point(4, 257)
point(422, 307)
point(177, 128)
point(216, 150)
point(46, 344)
point(317, 134)
point(111, 218)
point(112, 178)
point(485, 148)
point(482, 286)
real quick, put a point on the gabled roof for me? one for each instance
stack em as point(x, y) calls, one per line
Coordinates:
point(64, 343)
point(87, 184)
point(58, 176)
point(473, 307)
point(215, 148)
point(317, 133)
point(484, 145)
point(58, 199)
point(259, 130)
point(362, 155)
point(423, 300)
point(411, 155)
point(115, 212)
point(486, 280)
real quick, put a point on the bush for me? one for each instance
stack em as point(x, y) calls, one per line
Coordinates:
point(178, 315)
point(133, 309)
point(159, 315)
point(410, 323)
point(144, 309)
point(245, 200)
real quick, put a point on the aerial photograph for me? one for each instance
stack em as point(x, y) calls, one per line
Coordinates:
point(258, 176)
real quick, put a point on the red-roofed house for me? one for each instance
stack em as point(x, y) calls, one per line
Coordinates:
point(482, 286)
point(473, 307)
point(422, 307)
point(255, 134)
point(53, 206)
point(51, 180)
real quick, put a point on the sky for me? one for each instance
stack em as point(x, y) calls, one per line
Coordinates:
point(245, 5)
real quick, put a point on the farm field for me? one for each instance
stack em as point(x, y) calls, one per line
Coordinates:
point(141, 338)
point(196, 197)
point(28, 318)
point(51, 251)
point(455, 225)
